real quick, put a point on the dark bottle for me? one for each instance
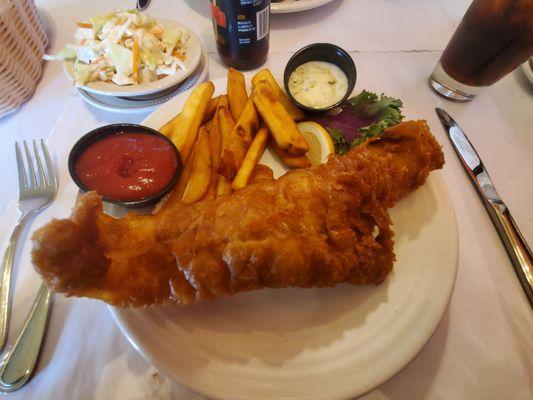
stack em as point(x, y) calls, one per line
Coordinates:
point(242, 29)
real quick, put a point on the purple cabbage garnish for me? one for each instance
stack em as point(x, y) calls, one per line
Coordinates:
point(363, 116)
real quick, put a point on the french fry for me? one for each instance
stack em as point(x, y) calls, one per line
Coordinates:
point(209, 124)
point(223, 124)
point(290, 160)
point(176, 194)
point(166, 129)
point(237, 94)
point(226, 124)
point(135, 53)
point(200, 174)
point(169, 126)
point(223, 101)
point(266, 76)
point(254, 153)
point(261, 172)
point(240, 139)
point(280, 124)
point(223, 186)
point(211, 108)
point(215, 146)
point(208, 115)
point(184, 134)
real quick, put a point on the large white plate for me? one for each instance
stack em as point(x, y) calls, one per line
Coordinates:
point(309, 343)
point(290, 6)
point(193, 57)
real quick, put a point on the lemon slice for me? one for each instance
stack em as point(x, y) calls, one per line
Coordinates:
point(319, 141)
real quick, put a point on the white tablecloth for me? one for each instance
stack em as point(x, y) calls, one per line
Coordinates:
point(482, 348)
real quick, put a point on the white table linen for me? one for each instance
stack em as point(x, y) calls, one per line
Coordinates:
point(482, 347)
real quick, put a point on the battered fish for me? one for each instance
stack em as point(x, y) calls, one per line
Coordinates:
point(313, 227)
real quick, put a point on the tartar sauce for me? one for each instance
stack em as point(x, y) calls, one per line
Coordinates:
point(318, 84)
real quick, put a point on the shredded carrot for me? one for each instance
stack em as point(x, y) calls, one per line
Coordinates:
point(84, 24)
point(135, 73)
point(178, 54)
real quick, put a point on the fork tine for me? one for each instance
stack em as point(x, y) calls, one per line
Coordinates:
point(51, 176)
point(20, 167)
point(42, 177)
point(30, 165)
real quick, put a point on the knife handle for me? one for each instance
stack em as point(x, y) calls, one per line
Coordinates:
point(517, 248)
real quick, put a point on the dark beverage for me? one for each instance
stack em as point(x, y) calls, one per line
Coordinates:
point(242, 29)
point(494, 37)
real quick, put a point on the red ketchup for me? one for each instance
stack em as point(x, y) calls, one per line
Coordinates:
point(127, 166)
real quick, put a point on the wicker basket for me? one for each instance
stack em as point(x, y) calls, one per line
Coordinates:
point(22, 44)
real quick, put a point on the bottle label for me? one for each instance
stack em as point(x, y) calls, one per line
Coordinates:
point(263, 23)
point(246, 22)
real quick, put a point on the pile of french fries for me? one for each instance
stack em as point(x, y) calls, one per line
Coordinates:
point(221, 139)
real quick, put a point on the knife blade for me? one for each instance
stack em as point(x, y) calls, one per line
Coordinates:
point(514, 243)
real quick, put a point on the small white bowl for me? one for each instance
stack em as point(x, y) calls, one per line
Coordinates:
point(193, 57)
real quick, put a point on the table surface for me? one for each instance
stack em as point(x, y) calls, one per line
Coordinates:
point(482, 348)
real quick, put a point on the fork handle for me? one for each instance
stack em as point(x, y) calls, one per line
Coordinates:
point(19, 362)
point(5, 283)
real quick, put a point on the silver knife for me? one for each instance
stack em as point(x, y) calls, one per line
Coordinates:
point(517, 248)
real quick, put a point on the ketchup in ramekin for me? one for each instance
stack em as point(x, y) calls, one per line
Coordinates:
point(127, 164)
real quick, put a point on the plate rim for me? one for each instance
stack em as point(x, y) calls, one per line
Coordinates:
point(150, 105)
point(280, 8)
point(110, 89)
point(433, 319)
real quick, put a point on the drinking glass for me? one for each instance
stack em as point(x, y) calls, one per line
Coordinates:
point(493, 38)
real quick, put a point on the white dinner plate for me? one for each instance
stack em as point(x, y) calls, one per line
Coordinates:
point(192, 59)
point(140, 104)
point(334, 343)
point(290, 6)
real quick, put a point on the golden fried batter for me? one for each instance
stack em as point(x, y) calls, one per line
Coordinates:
point(312, 227)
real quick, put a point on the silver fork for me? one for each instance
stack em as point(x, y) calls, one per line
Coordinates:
point(37, 189)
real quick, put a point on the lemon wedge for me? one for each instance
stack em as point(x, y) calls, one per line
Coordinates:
point(319, 141)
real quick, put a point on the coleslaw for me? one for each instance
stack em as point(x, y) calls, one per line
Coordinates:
point(125, 47)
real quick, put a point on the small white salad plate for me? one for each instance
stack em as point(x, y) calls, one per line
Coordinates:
point(147, 103)
point(192, 59)
point(290, 6)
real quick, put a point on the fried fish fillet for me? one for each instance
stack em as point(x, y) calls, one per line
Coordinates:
point(313, 227)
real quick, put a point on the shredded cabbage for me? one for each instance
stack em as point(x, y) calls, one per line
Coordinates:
point(103, 49)
point(122, 59)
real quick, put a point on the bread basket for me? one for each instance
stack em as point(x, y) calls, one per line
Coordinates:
point(23, 41)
